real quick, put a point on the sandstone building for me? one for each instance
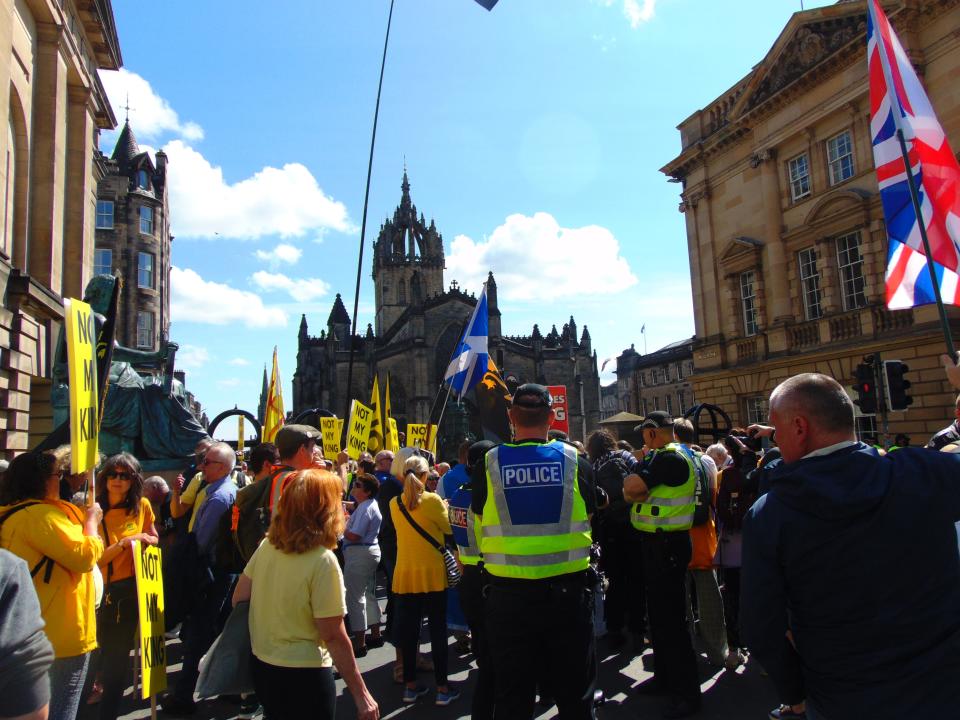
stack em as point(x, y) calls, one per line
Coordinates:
point(418, 325)
point(784, 224)
point(52, 107)
point(660, 380)
point(133, 240)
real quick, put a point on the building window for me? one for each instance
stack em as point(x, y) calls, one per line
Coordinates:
point(102, 261)
point(146, 220)
point(656, 404)
point(6, 232)
point(643, 379)
point(850, 260)
point(867, 428)
point(748, 299)
point(145, 270)
point(643, 404)
point(840, 157)
point(679, 371)
point(799, 177)
point(142, 180)
point(104, 214)
point(757, 410)
point(681, 402)
point(145, 330)
point(810, 283)
point(669, 404)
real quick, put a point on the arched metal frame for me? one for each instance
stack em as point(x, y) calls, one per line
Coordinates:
point(231, 413)
point(714, 429)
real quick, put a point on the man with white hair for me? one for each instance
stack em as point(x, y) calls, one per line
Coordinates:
point(851, 575)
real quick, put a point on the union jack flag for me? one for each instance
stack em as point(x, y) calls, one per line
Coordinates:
point(898, 101)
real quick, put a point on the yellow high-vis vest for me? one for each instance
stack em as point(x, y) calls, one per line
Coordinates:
point(668, 509)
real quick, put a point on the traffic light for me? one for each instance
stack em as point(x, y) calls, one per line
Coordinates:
point(896, 384)
point(866, 389)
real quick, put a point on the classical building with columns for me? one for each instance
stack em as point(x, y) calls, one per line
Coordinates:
point(785, 228)
point(52, 107)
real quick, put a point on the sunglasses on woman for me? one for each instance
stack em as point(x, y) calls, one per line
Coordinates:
point(119, 475)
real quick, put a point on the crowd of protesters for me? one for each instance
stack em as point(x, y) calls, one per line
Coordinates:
point(829, 562)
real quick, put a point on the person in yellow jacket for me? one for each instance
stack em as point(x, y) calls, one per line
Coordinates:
point(61, 545)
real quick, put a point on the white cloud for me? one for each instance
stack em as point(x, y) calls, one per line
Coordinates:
point(282, 253)
point(285, 201)
point(239, 362)
point(150, 114)
point(533, 258)
point(636, 12)
point(191, 357)
point(301, 289)
point(194, 299)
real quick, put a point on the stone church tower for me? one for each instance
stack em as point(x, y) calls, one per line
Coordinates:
point(407, 261)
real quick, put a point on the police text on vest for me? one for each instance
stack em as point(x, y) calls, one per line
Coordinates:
point(532, 475)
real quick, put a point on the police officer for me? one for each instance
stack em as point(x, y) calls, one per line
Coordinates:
point(533, 500)
point(467, 536)
point(664, 500)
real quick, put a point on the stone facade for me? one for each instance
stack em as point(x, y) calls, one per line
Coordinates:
point(419, 323)
point(660, 380)
point(785, 228)
point(133, 240)
point(52, 108)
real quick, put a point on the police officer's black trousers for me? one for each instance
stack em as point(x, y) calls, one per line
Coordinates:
point(625, 605)
point(666, 556)
point(471, 600)
point(542, 630)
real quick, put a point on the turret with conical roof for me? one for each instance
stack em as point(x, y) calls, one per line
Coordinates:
point(338, 323)
point(126, 149)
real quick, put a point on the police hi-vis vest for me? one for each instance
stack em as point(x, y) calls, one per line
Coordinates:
point(534, 522)
point(464, 523)
point(668, 509)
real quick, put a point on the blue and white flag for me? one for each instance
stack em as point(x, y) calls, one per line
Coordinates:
point(470, 359)
point(488, 4)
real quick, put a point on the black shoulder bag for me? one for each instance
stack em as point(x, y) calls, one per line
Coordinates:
point(450, 562)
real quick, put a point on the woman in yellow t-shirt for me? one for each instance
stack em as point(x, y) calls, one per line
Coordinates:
point(128, 517)
point(60, 545)
point(420, 580)
point(297, 603)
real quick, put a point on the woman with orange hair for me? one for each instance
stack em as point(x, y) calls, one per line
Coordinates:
point(297, 604)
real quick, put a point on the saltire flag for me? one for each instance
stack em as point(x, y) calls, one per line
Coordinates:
point(492, 398)
point(375, 441)
point(488, 4)
point(387, 415)
point(469, 361)
point(898, 101)
point(273, 416)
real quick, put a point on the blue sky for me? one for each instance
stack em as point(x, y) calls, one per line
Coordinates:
point(532, 134)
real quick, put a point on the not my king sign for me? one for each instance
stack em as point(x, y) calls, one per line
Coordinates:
point(82, 369)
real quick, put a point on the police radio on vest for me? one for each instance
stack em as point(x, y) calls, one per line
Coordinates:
point(532, 475)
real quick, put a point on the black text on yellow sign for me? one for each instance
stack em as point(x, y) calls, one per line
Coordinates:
point(359, 430)
point(82, 378)
point(153, 656)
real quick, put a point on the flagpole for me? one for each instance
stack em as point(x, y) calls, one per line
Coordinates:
point(363, 222)
point(911, 182)
point(915, 199)
point(436, 399)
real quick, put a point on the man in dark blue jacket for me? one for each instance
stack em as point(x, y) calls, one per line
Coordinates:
point(851, 575)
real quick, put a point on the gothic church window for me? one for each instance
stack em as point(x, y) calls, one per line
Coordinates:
point(402, 293)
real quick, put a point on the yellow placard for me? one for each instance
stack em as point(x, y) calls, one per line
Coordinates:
point(417, 435)
point(393, 435)
point(153, 644)
point(82, 369)
point(432, 438)
point(360, 419)
point(330, 427)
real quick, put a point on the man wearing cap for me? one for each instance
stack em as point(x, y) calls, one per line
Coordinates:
point(664, 497)
point(533, 500)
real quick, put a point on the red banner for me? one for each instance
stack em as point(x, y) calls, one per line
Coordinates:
point(560, 407)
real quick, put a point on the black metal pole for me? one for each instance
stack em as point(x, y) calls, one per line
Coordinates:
point(915, 199)
point(363, 222)
point(436, 399)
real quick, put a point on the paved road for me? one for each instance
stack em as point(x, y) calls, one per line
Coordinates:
point(739, 695)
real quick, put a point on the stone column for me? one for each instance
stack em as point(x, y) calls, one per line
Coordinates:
point(777, 308)
point(48, 161)
point(81, 200)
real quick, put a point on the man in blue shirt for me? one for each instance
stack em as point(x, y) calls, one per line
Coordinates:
point(203, 621)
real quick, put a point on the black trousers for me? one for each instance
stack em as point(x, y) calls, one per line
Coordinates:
point(666, 556)
point(731, 605)
point(542, 630)
point(621, 558)
point(294, 693)
point(471, 600)
point(116, 636)
point(411, 608)
point(200, 628)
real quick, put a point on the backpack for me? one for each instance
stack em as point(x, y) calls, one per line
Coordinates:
point(738, 492)
point(244, 526)
point(44, 560)
point(701, 512)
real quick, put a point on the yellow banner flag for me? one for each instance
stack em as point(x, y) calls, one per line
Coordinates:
point(153, 644)
point(273, 415)
point(432, 439)
point(417, 435)
point(330, 427)
point(391, 438)
point(375, 441)
point(339, 429)
point(359, 429)
point(82, 378)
